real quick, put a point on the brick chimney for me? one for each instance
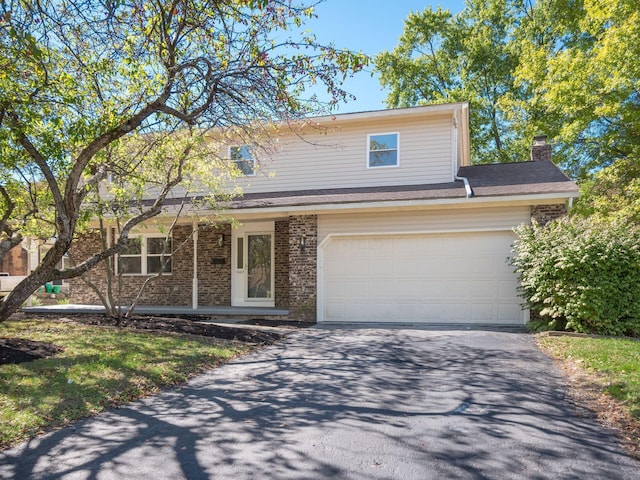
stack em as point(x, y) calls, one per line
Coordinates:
point(540, 150)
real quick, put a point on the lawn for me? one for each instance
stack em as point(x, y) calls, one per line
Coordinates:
point(613, 366)
point(99, 368)
point(615, 360)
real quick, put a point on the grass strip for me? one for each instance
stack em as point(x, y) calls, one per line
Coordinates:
point(99, 368)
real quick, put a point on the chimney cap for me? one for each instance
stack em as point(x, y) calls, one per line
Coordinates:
point(539, 140)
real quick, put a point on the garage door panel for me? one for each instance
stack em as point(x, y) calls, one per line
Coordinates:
point(439, 278)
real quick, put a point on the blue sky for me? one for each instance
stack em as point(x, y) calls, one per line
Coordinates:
point(370, 26)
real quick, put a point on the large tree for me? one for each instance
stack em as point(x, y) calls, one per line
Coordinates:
point(566, 68)
point(584, 70)
point(445, 57)
point(90, 90)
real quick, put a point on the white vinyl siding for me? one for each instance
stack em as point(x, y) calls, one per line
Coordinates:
point(425, 221)
point(429, 266)
point(332, 157)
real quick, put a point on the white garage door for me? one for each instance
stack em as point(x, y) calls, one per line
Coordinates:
point(439, 278)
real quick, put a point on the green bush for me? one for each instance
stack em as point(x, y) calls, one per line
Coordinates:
point(581, 274)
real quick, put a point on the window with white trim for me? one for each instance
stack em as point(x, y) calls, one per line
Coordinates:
point(145, 255)
point(382, 150)
point(243, 158)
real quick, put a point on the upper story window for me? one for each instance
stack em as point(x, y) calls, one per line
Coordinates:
point(145, 255)
point(382, 150)
point(243, 158)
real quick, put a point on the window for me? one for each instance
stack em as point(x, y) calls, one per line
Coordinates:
point(243, 158)
point(382, 150)
point(145, 256)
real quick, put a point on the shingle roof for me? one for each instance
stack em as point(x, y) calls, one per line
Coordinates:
point(520, 178)
point(524, 178)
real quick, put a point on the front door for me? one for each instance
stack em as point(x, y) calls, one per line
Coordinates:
point(253, 273)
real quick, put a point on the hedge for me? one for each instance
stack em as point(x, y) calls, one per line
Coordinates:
point(581, 274)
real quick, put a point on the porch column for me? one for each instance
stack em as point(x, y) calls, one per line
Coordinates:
point(303, 243)
point(194, 288)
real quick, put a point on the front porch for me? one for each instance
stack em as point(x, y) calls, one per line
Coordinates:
point(256, 269)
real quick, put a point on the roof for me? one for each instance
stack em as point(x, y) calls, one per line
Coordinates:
point(521, 178)
point(524, 178)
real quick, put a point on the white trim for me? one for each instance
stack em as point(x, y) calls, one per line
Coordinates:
point(533, 199)
point(248, 147)
point(239, 276)
point(397, 149)
point(388, 113)
point(144, 272)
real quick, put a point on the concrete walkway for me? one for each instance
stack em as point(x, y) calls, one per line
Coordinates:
point(346, 403)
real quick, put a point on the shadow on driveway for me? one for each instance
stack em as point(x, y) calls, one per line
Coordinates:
point(346, 403)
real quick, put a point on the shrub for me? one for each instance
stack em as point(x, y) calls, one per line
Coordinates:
point(582, 274)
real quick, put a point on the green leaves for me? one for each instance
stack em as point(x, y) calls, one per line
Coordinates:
point(565, 68)
point(584, 273)
point(88, 88)
point(465, 57)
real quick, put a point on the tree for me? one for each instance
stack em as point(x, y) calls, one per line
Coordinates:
point(561, 67)
point(612, 193)
point(92, 90)
point(442, 57)
point(585, 74)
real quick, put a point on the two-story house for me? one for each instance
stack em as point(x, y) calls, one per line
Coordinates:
point(363, 217)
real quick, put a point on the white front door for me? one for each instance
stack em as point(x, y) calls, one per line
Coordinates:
point(253, 276)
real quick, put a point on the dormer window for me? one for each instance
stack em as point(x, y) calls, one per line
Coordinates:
point(243, 158)
point(382, 150)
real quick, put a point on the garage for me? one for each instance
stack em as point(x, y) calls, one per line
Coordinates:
point(419, 278)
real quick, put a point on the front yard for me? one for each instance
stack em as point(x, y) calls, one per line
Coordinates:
point(98, 368)
point(604, 374)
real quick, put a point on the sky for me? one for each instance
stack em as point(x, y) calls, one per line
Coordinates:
point(371, 26)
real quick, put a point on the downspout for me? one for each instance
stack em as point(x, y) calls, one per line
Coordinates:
point(465, 180)
point(467, 186)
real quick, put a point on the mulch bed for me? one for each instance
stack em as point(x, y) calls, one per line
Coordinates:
point(19, 350)
point(16, 350)
point(181, 325)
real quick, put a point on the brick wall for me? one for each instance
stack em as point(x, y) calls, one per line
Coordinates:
point(281, 258)
point(173, 289)
point(15, 261)
point(302, 267)
point(543, 214)
point(214, 266)
point(85, 245)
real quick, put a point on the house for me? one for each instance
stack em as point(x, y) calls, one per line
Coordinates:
point(362, 217)
point(17, 264)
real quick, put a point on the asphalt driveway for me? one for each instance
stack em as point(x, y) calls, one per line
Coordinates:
point(346, 403)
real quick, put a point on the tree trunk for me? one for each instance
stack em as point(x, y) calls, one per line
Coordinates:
point(21, 293)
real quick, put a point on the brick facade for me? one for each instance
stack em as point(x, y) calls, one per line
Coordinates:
point(214, 266)
point(15, 261)
point(172, 289)
point(295, 269)
point(281, 258)
point(543, 214)
point(303, 267)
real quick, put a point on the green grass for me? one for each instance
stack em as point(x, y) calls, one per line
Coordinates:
point(616, 362)
point(100, 368)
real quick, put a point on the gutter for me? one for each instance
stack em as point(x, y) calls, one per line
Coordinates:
point(465, 180)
